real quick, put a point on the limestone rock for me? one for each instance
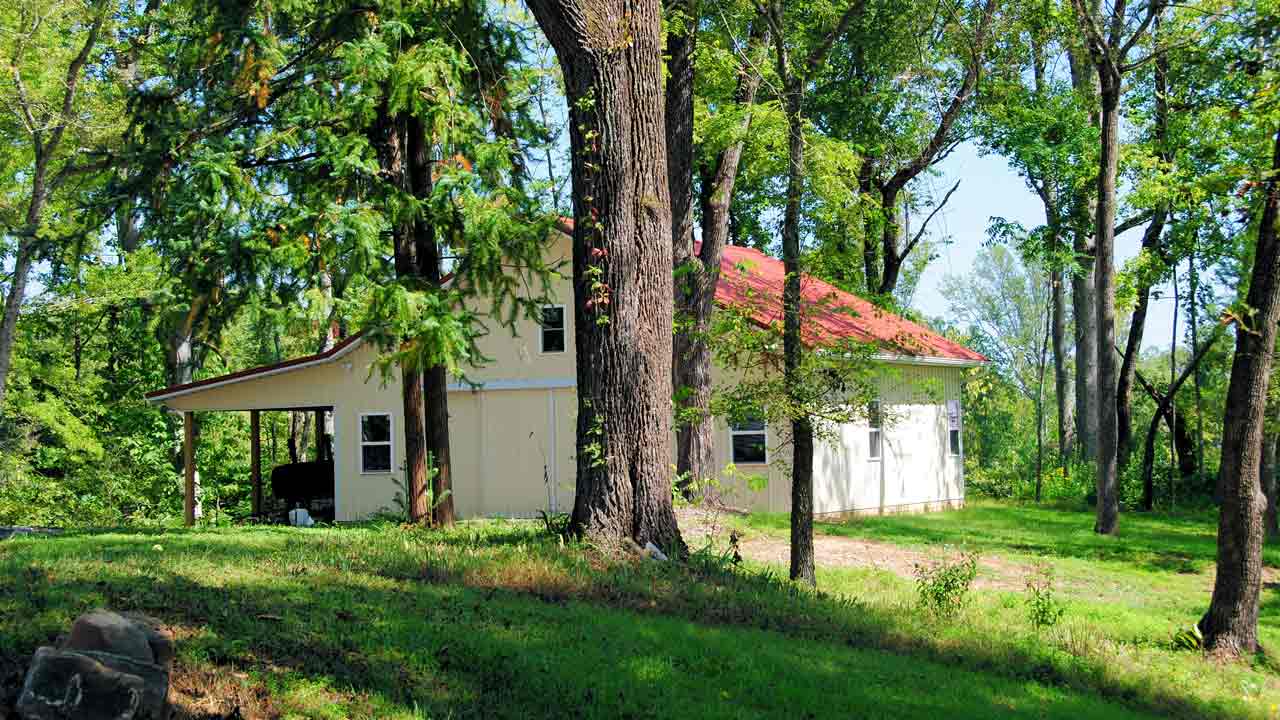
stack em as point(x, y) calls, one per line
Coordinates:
point(109, 667)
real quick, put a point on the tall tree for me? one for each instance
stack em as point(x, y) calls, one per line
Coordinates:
point(49, 45)
point(1109, 50)
point(1230, 625)
point(610, 55)
point(698, 273)
point(794, 75)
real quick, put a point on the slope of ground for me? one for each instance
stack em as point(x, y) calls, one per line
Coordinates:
point(495, 619)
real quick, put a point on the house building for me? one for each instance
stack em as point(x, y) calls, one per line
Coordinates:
point(513, 422)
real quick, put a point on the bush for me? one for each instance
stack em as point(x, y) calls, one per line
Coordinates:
point(1043, 607)
point(943, 587)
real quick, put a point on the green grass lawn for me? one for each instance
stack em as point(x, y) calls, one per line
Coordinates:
point(494, 619)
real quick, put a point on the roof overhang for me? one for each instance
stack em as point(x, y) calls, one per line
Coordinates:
point(334, 354)
point(933, 361)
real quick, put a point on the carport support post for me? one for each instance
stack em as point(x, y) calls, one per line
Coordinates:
point(189, 467)
point(255, 461)
point(320, 436)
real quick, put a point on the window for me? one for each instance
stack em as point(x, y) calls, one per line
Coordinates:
point(749, 442)
point(553, 329)
point(953, 427)
point(875, 432)
point(375, 442)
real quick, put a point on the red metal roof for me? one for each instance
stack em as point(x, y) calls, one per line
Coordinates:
point(753, 281)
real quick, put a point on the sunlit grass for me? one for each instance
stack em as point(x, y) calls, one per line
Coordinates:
point(495, 619)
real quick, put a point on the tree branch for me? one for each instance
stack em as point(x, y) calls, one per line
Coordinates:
point(924, 225)
point(854, 11)
point(929, 154)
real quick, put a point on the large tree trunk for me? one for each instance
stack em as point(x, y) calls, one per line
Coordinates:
point(695, 288)
point(435, 379)
point(1108, 510)
point(1084, 81)
point(390, 136)
point(1231, 624)
point(1086, 337)
point(610, 55)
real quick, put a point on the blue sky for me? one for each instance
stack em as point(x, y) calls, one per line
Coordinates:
point(989, 187)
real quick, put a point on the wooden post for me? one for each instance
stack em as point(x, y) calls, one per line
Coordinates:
point(320, 435)
point(255, 461)
point(189, 467)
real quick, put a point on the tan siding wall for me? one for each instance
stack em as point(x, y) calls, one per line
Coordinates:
point(508, 440)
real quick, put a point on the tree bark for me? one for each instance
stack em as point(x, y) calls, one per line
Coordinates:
point(894, 253)
point(610, 56)
point(793, 85)
point(1061, 373)
point(695, 288)
point(1133, 346)
point(435, 378)
point(1108, 509)
point(1231, 625)
point(1271, 520)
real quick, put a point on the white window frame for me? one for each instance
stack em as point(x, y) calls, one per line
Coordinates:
point(390, 442)
point(763, 432)
point(875, 428)
point(954, 426)
point(564, 331)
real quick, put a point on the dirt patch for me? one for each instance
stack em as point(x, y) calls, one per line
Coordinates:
point(211, 693)
point(834, 551)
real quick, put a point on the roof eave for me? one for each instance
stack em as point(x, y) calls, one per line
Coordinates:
point(339, 353)
point(930, 360)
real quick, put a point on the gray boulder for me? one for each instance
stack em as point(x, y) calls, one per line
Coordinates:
point(110, 667)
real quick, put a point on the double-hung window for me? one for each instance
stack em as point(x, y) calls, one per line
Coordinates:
point(875, 431)
point(953, 427)
point(375, 442)
point(553, 340)
point(750, 442)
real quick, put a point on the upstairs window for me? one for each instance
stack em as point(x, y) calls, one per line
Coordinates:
point(553, 329)
point(875, 432)
point(375, 442)
point(749, 442)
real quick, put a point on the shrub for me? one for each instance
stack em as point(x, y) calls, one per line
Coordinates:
point(943, 586)
point(1043, 607)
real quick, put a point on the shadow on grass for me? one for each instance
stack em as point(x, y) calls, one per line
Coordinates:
point(483, 652)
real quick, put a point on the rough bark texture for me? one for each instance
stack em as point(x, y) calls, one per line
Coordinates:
point(435, 379)
point(390, 136)
point(1084, 81)
point(695, 287)
point(610, 54)
point(1108, 509)
point(1231, 624)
